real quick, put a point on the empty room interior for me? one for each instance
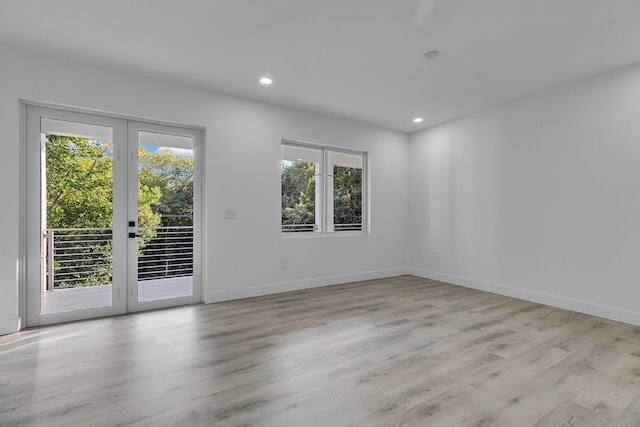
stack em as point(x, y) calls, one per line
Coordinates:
point(320, 213)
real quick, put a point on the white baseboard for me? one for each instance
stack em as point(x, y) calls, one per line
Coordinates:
point(586, 307)
point(9, 326)
point(275, 288)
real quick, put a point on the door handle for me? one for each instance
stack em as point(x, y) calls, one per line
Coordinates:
point(134, 235)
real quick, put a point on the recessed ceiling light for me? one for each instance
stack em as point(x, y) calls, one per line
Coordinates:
point(417, 120)
point(432, 54)
point(266, 81)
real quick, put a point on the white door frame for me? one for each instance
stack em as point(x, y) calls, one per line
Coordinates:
point(124, 288)
point(34, 211)
point(132, 215)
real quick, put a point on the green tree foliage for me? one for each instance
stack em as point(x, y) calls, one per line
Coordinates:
point(295, 178)
point(79, 185)
point(298, 194)
point(172, 176)
point(347, 195)
point(79, 178)
point(79, 181)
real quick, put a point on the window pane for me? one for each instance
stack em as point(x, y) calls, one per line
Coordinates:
point(299, 168)
point(165, 216)
point(345, 191)
point(77, 238)
point(347, 198)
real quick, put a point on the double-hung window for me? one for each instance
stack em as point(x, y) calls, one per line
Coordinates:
point(323, 189)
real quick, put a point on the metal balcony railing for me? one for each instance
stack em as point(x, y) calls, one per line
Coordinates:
point(168, 254)
point(78, 257)
point(347, 227)
point(298, 228)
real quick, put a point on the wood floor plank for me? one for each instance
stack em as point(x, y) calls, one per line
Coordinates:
point(401, 351)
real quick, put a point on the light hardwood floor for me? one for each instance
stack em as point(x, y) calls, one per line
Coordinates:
point(403, 351)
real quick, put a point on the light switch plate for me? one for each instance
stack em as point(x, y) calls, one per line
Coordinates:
point(230, 214)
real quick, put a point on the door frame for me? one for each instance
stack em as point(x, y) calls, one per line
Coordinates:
point(34, 211)
point(31, 282)
point(133, 127)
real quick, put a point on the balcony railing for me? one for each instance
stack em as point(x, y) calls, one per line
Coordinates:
point(347, 227)
point(299, 228)
point(168, 254)
point(78, 257)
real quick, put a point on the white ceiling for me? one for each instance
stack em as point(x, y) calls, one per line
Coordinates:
point(358, 59)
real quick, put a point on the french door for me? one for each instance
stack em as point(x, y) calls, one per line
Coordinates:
point(163, 220)
point(112, 216)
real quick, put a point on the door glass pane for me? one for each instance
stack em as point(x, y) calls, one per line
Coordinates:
point(76, 216)
point(165, 216)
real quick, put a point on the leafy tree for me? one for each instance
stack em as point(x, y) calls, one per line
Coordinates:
point(298, 193)
point(79, 177)
point(79, 185)
point(172, 176)
point(79, 181)
point(347, 195)
point(295, 179)
point(303, 212)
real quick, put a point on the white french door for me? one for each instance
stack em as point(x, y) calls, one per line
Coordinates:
point(112, 216)
point(162, 229)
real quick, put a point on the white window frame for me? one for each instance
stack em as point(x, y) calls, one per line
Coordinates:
point(324, 192)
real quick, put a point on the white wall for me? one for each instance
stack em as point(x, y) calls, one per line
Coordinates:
point(538, 199)
point(243, 255)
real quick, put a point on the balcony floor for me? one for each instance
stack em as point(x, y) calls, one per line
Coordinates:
point(63, 300)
